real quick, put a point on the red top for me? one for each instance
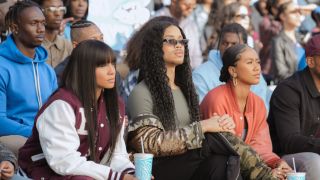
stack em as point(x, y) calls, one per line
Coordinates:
point(222, 100)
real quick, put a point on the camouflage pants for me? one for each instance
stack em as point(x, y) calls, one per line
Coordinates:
point(251, 165)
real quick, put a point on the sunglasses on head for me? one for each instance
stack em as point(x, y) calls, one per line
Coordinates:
point(174, 42)
point(52, 9)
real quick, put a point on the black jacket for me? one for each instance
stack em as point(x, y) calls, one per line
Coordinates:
point(294, 116)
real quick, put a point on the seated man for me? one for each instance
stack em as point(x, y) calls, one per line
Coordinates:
point(206, 76)
point(295, 113)
point(80, 31)
point(26, 81)
point(57, 46)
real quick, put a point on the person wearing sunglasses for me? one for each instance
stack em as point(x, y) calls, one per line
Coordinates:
point(57, 46)
point(164, 112)
point(182, 11)
point(133, 55)
point(238, 13)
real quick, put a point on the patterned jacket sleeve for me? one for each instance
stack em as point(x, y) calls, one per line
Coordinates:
point(7, 155)
point(160, 142)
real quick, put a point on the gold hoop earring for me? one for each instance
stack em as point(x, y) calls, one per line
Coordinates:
point(235, 81)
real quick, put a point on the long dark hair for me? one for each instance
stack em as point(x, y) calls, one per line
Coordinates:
point(230, 58)
point(135, 42)
point(153, 72)
point(79, 77)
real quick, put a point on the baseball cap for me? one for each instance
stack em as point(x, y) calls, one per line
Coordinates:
point(312, 47)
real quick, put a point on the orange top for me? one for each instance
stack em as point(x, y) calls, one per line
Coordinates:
point(222, 100)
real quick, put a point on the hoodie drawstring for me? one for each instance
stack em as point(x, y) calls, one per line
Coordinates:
point(37, 83)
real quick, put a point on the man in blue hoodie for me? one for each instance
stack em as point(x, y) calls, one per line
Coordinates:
point(206, 76)
point(26, 81)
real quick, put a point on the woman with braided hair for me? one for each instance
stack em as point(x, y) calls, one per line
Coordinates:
point(164, 112)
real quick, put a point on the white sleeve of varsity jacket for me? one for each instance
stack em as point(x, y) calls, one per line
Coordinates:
point(120, 160)
point(60, 141)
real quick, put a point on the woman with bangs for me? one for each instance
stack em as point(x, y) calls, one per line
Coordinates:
point(164, 112)
point(78, 133)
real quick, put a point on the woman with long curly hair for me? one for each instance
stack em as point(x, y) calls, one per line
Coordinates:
point(133, 55)
point(164, 113)
point(78, 133)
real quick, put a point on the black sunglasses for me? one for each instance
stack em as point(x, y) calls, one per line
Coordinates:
point(174, 42)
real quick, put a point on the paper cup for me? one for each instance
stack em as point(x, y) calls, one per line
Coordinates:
point(143, 164)
point(296, 176)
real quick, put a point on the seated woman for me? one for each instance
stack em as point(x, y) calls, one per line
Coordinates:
point(78, 133)
point(241, 69)
point(164, 112)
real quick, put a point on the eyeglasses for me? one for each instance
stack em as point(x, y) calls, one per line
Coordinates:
point(242, 16)
point(174, 42)
point(61, 9)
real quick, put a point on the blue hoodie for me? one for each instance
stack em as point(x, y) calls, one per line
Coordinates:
point(25, 84)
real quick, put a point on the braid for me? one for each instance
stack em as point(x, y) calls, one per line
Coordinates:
point(81, 24)
point(76, 28)
point(13, 15)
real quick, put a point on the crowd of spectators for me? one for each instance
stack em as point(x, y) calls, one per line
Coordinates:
point(221, 89)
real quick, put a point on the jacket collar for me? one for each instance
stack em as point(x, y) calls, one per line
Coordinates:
point(249, 102)
point(309, 83)
point(286, 38)
point(58, 42)
point(215, 58)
